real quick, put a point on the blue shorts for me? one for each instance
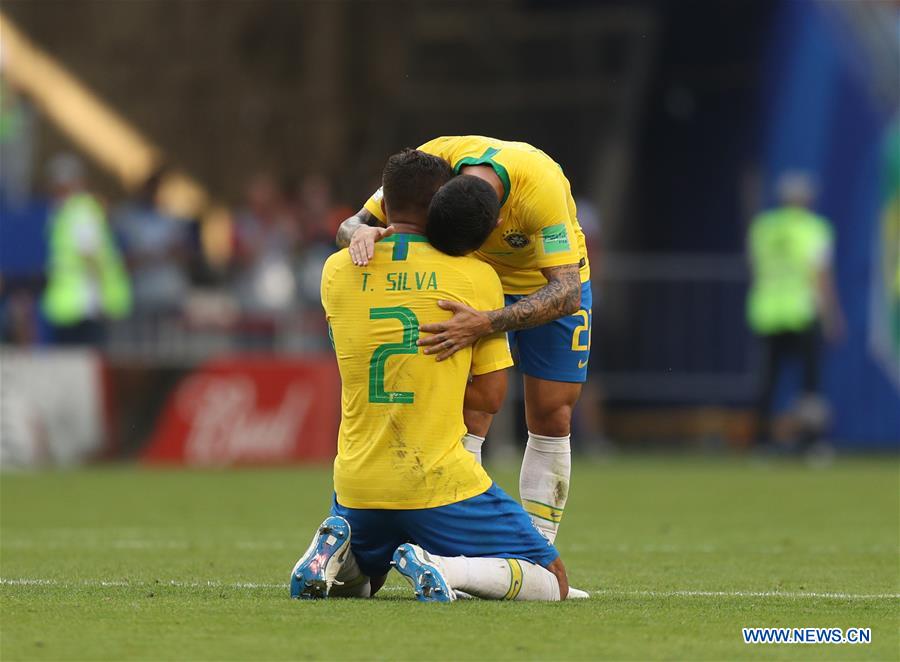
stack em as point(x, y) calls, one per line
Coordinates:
point(557, 351)
point(490, 524)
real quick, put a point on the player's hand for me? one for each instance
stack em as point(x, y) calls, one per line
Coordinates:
point(362, 243)
point(465, 327)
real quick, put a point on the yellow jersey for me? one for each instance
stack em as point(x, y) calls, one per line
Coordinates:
point(399, 445)
point(538, 225)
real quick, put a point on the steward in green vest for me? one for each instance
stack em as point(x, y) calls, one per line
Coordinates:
point(86, 278)
point(789, 248)
point(792, 295)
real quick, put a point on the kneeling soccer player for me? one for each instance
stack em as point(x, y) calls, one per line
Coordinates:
point(407, 493)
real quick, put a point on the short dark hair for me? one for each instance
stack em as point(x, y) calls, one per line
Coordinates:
point(462, 215)
point(411, 178)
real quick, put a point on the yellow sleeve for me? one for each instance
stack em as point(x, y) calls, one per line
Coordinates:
point(438, 147)
point(373, 206)
point(490, 353)
point(553, 231)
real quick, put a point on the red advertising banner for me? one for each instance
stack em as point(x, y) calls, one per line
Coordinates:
point(250, 410)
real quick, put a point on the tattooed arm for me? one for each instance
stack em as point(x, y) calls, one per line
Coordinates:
point(359, 233)
point(561, 296)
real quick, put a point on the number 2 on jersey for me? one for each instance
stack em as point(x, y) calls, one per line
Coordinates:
point(381, 354)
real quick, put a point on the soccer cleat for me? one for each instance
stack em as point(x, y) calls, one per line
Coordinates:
point(578, 594)
point(422, 573)
point(316, 571)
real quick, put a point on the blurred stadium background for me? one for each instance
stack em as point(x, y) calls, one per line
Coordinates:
point(225, 141)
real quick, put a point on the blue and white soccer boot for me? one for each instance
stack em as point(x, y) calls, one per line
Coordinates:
point(316, 571)
point(423, 573)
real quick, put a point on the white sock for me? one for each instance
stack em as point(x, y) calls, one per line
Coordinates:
point(544, 481)
point(499, 579)
point(353, 584)
point(472, 443)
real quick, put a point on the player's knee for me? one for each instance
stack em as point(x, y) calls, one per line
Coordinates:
point(477, 422)
point(554, 422)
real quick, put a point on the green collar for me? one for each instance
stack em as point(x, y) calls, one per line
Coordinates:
point(406, 237)
point(488, 159)
point(401, 241)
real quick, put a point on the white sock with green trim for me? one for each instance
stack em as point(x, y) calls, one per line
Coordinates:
point(472, 443)
point(498, 579)
point(544, 481)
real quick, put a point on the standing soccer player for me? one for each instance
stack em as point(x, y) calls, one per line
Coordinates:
point(405, 487)
point(539, 253)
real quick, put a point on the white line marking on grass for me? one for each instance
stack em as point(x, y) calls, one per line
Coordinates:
point(24, 581)
point(751, 594)
point(129, 544)
point(794, 595)
point(103, 583)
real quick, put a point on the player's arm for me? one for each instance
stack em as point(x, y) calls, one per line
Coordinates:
point(486, 392)
point(490, 355)
point(359, 233)
point(556, 256)
point(362, 218)
point(561, 296)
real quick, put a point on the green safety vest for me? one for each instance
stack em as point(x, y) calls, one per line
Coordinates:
point(787, 247)
point(70, 278)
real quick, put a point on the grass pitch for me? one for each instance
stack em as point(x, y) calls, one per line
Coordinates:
point(122, 563)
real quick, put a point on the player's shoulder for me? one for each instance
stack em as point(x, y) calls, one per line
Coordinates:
point(335, 262)
point(467, 267)
point(481, 277)
point(481, 271)
point(484, 281)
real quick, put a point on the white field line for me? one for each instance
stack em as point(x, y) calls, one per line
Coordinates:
point(751, 594)
point(793, 595)
point(100, 583)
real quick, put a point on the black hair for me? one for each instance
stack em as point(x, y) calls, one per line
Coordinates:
point(411, 178)
point(462, 214)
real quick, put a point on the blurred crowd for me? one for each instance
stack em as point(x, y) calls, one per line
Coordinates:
point(127, 269)
point(126, 275)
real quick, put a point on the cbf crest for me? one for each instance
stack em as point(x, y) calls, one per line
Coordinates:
point(515, 238)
